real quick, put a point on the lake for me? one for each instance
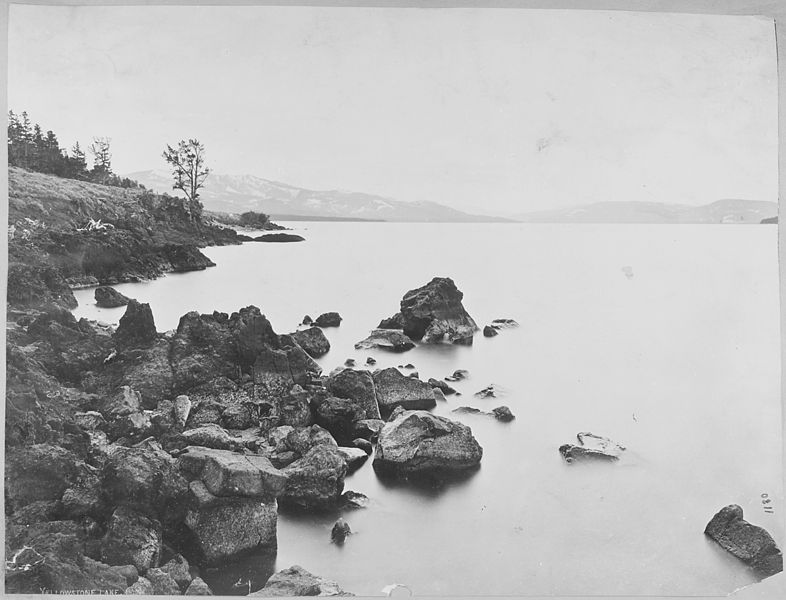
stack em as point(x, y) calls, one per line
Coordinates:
point(664, 338)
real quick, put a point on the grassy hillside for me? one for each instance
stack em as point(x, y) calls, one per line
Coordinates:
point(64, 233)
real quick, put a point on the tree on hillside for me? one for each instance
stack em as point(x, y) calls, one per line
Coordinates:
point(76, 164)
point(102, 159)
point(188, 167)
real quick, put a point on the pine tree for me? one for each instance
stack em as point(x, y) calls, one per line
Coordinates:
point(102, 159)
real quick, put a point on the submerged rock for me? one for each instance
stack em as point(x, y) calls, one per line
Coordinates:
point(502, 413)
point(392, 340)
point(489, 331)
point(591, 446)
point(340, 531)
point(458, 375)
point(109, 297)
point(279, 237)
point(434, 314)
point(417, 441)
point(504, 323)
point(750, 543)
point(441, 385)
point(396, 389)
point(328, 319)
point(353, 500)
point(296, 581)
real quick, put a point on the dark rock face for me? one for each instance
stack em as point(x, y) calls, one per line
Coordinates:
point(296, 581)
point(136, 327)
point(750, 543)
point(328, 319)
point(357, 386)
point(186, 257)
point(392, 340)
point(132, 538)
point(433, 314)
point(338, 415)
point(591, 446)
point(418, 442)
point(313, 341)
point(108, 297)
point(395, 389)
point(279, 237)
point(489, 331)
point(39, 472)
point(316, 480)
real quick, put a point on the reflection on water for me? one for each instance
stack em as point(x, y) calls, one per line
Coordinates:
point(680, 364)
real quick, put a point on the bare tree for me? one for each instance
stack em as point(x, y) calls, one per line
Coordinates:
point(188, 167)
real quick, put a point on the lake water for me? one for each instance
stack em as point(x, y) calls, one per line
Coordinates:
point(663, 338)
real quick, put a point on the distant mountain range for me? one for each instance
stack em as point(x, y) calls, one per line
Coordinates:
point(241, 193)
point(721, 211)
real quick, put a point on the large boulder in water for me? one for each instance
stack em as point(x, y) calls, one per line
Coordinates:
point(328, 319)
point(316, 480)
point(109, 297)
point(136, 327)
point(749, 543)
point(296, 581)
point(393, 340)
point(419, 442)
point(358, 386)
point(313, 341)
point(433, 314)
point(396, 389)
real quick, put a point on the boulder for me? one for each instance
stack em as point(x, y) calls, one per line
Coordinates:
point(363, 445)
point(109, 297)
point(142, 587)
point(225, 527)
point(132, 538)
point(144, 478)
point(371, 360)
point(279, 237)
point(351, 500)
point(294, 408)
point(354, 457)
point(39, 472)
point(439, 396)
point(313, 341)
point(368, 429)
point(395, 389)
point(490, 391)
point(307, 320)
point(328, 319)
point(504, 323)
point(181, 409)
point(204, 413)
point(136, 327)
point(162, 583)
point(340, 531)
point(210, 436)
point(458, 375)
point(232, 474)
point(303, 439)
point(357, 386)
point(591, 446)
point(338, 416)
point(316, 480)
point(238, 416)
point(393, 340)
point(442, 386)
point(90, 420)
point(197, 587)
point(178, 569)
point(350, 362)
point(296, 581)
point(433, 314)
point(418, 442)
point(467, 410)
point(502, 413)
point(750, 543)
point(124, 401)
point(489, 331)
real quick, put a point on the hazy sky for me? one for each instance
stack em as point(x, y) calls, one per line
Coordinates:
point(500, 109)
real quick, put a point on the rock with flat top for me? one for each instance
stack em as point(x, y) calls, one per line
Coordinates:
point(392, 340)
point(296, 581)
point(396, 389)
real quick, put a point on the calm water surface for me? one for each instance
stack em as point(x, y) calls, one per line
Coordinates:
point(664, 338)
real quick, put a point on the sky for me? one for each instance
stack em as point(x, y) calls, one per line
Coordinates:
point(499, 110)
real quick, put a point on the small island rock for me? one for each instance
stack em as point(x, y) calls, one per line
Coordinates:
point(109, 297)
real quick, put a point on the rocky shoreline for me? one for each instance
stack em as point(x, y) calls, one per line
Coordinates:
point(139, 460)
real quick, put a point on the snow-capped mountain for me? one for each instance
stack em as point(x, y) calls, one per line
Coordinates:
point(240, 193)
